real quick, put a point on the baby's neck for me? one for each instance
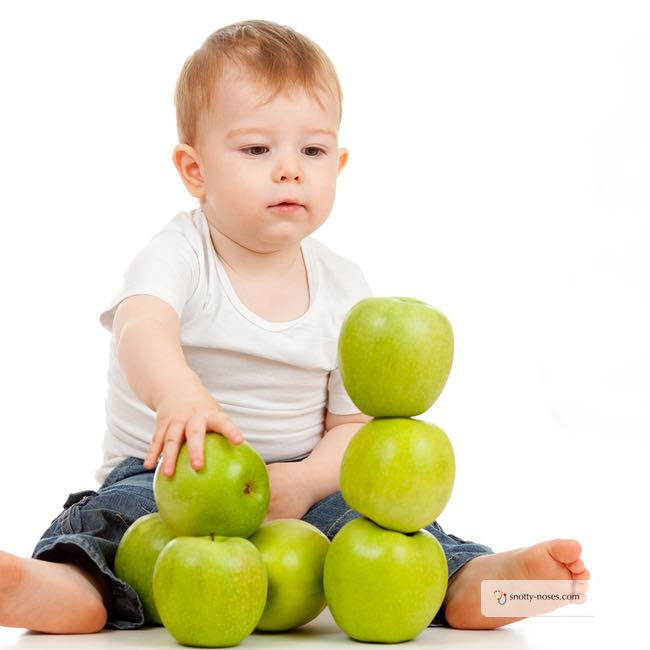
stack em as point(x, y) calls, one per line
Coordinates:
point(245, 262)
point(273, 285)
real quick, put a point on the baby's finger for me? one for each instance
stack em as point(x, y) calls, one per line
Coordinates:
point(155, 448)
point(173, 441)
point(221, 423)
point(195, 433)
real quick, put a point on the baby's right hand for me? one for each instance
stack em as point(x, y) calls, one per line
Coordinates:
point(187, 413)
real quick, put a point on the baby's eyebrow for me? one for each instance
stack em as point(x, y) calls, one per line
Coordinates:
point(246, 130)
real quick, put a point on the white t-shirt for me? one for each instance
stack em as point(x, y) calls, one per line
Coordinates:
point(274, 380)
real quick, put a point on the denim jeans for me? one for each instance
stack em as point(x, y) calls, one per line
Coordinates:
point(89, 529)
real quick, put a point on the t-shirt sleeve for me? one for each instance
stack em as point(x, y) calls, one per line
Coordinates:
point(167, 267)
point(338, 400)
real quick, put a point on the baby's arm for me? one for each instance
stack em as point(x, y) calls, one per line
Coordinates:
point(147, 337)
point(325, 459)
point(296, 486)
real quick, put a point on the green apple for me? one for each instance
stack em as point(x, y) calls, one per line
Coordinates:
point(383, 586)
point(395, 355)
point(210, 591)
point(294, 553)
point(136, 557)
point(399, 472)
point(229, 495)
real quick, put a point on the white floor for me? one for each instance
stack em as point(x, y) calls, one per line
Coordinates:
point(538, 633)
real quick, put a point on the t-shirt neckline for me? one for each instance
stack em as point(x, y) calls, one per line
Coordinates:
point(274, 326)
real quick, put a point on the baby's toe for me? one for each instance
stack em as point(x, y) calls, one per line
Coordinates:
point(566, 551)
point(585, 575)
point(576, 567)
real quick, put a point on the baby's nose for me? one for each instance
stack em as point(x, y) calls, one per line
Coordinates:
point(291, 176)
point(288, 170)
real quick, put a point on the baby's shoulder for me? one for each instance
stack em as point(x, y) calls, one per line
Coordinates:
point(341, 276)
point(187, 226)
point(330, 260)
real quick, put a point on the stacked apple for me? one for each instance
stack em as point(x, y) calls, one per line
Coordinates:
point(206, 567)
point(385, 578)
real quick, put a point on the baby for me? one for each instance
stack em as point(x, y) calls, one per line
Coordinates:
point(228, 320)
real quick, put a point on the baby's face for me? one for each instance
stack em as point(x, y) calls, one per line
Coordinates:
point(240, 174)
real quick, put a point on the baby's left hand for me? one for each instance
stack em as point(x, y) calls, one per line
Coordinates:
point(291, 494)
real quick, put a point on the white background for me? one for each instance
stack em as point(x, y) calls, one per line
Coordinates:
point(499, 169)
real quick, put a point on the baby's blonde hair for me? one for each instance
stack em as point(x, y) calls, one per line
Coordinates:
point(273, 55)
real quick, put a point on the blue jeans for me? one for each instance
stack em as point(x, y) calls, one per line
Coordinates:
point(89, 529)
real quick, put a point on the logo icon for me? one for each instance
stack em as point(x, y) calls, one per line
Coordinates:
point(501, 596)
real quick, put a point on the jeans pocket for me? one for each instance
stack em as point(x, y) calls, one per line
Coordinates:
point(79, 497)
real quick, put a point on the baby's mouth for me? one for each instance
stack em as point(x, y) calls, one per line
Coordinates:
point(286, 206)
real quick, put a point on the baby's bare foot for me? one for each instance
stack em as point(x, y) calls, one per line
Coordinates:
point(557, 559)
point(49, 597)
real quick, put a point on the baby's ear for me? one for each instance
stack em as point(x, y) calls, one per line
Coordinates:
point(186, 161)
point(344, 154)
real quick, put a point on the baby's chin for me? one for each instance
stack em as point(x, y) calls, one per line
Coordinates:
point(284, 235)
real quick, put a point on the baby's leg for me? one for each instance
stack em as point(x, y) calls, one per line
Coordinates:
point(459, 553)
point(50, 597)
point(332, 513)
point(68, 585)
point(557, 559)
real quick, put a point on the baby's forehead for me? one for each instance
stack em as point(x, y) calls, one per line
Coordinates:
point(237, 96)
point(251, 92)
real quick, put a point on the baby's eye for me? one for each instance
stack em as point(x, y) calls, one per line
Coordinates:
point(258, 150)
point(318, 151)
point(255, 150)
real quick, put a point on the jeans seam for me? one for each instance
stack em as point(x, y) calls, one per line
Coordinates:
point(66, 527)
point(66, 523)
point(461, 554)
point(121, 518)
point(336, 521)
